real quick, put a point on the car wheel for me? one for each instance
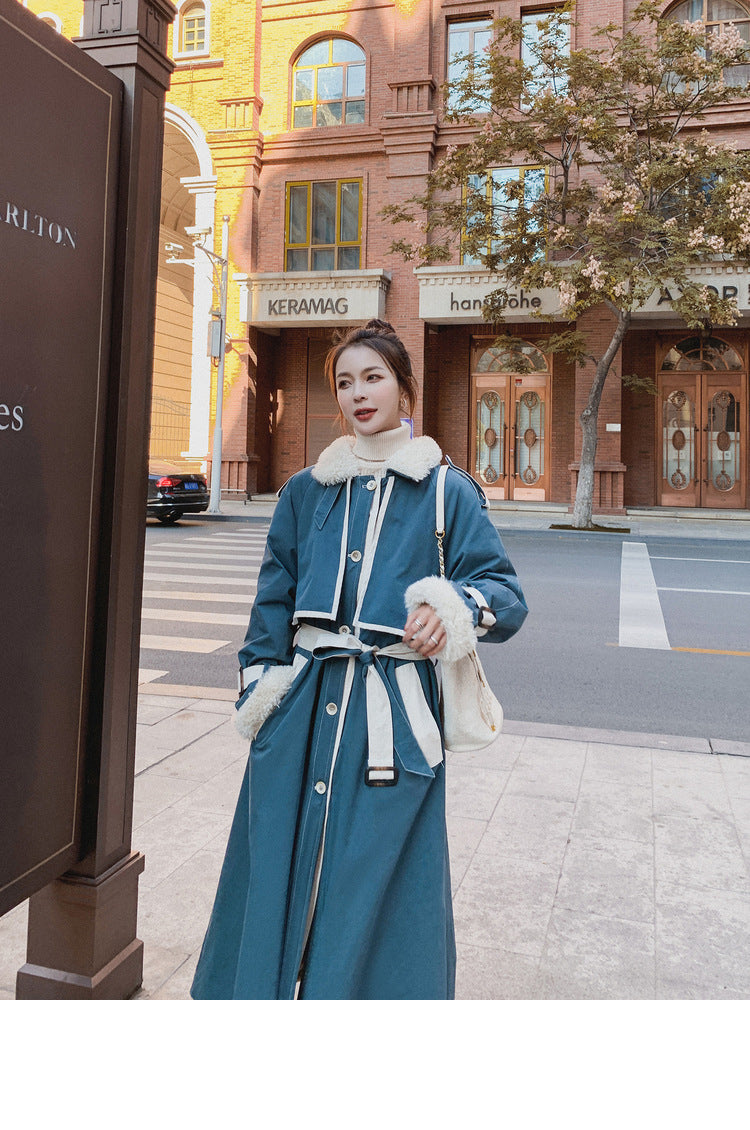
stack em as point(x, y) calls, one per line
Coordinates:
point(169, 518)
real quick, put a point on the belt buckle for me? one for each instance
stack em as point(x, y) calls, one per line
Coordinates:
point(375, 776)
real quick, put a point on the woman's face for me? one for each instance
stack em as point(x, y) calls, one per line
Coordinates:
point(367, 390)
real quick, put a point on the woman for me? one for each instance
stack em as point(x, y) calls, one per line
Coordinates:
point(336, 883)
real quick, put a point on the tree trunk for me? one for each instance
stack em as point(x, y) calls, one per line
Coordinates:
point(583, 506)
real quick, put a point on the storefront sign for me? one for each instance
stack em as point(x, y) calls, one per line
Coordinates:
point(728, 281)
point(457, 294)
point(57, 212)
point(314, 298)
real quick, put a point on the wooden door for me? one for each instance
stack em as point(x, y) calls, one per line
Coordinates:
point(509, 455)
point(702, 406)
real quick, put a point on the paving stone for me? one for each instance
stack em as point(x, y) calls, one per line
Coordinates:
point(149, 714)
point(609, 808)
point(463, 838)
point(206, 756)
point(609, 877)
point(174, 914)
point(593, 957)
point(494, 974)
point(177, 988)
point(705, 854)
point(703, 939)
point(535, 828)
point(172, 838)
point(156, 792)
point(502, 754)
point(159, 965)
point(505, 903)
point(697, 795)
point(628, 765)
point(474, 793)
point(736, 773)
point(13, 928)
point(539, 778)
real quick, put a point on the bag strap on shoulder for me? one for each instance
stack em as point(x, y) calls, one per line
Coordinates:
point(440, 513)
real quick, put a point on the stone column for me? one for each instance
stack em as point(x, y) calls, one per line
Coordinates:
point(82, 940)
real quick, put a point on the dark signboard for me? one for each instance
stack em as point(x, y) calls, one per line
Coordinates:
point(59, 136)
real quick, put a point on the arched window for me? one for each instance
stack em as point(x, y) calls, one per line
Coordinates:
point(328, 85)
point(697, 354)
point(193, 29)
point(716, 15)
point(521, 357)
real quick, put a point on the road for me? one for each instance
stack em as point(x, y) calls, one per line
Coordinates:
point(648, 635)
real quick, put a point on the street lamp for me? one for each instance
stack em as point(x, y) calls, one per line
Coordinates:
point(217, 339)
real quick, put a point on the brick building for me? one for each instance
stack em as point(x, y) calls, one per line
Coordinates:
point(300, 119)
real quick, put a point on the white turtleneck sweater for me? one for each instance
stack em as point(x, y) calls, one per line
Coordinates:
point(373, 451)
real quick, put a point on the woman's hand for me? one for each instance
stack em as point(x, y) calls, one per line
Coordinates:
point(424, 631)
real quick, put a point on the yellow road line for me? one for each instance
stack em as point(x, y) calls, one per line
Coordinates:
point(711, 651)
point(701, 650)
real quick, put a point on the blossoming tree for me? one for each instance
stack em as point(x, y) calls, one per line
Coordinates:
point(618, 191)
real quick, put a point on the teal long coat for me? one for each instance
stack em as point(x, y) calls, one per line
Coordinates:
point(331, 888)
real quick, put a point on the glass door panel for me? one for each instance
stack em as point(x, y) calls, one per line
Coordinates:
point(703, 456)
point(530, 478)
point(679, 441)
point(723, 478)
point(490, 461)
point(509, 456)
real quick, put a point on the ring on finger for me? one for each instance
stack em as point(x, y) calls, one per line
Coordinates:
point(418, 624)
point(434, 640)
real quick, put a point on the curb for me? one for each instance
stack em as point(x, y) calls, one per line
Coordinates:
point(672, 742)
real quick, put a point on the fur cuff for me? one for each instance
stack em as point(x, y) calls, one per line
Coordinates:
point(453, 612)
point(260, 705)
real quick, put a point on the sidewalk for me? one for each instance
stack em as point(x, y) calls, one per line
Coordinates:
point(723, 525)
point(586, 865)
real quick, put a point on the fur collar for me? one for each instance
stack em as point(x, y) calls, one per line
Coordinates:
point(414, 461)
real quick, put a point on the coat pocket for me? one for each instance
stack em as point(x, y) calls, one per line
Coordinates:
point(326, 504)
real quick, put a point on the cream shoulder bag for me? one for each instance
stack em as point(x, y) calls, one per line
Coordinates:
point(472, 716)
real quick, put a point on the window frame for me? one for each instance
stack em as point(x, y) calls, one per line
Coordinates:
point(308, 245)
point(717, 25)
point(490, 184)
point(314, 102)
point(476, 22)
point(533, 15)
point(183, 10)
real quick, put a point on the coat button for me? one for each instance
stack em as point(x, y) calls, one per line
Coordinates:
point(320, 787)
point(355, 555)
point(331, 708)
point(344, 630)
point(372, 485)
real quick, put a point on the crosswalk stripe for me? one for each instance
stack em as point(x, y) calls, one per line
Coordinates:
point(641, 617)
point(181, 643)
point(226, 539)
point(194, 579)
point(202, 554)
point(173, 564)
point(209, 597)
point(189, 616)
point(145, 675)
point(227, 547)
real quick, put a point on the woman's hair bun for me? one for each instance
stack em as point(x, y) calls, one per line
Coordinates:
point(377, 326)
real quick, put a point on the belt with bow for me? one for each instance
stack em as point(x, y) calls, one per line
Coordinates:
point(420, 728)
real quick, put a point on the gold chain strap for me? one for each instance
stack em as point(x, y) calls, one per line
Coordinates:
point(440, 534)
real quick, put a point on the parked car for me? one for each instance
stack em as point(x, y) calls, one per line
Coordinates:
point(173, 492)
